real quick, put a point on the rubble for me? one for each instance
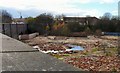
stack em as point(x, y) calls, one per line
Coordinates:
point(98, 63)
point(92, 58)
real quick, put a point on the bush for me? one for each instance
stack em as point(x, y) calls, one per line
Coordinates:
point(63, 31)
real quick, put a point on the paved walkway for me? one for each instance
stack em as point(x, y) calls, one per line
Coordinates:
point(17, 56)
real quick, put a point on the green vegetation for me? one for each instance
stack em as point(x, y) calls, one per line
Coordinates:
point(111, 51)
point(41, 24)
point(94, 50)
point(46, 24)
point(60, 56)
point(99, 51)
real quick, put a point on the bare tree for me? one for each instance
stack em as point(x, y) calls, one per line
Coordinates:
point(6, 17)
point(107, 16)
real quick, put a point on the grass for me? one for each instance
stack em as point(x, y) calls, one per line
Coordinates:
point(99, 51)
point(94, 50)
point(111, 51)
point(108, 51)
point(60, 56)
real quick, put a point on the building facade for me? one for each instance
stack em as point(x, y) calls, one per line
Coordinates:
point(81, 20)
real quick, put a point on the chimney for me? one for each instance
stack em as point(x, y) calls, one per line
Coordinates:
point(20, 17)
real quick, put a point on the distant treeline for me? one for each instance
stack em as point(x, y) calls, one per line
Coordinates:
point(49, 25)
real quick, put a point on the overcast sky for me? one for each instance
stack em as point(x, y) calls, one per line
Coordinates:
point(68, 7)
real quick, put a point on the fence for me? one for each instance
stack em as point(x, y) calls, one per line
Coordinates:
point(13, 30)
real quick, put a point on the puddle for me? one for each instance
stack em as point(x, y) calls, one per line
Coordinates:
point(77, 48)
point(74, 48)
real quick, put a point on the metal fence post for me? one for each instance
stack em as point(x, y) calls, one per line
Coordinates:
point(3, 29)
point(17, 31)
point(10, 31)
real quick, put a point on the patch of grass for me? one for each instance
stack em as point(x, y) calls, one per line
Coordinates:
point(94, 50)
point(111, 51)
point(66, 55)
point(114, 70)
point(58, 56)
point(86, 53)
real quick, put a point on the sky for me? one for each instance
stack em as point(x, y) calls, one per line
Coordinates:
point(79, 8)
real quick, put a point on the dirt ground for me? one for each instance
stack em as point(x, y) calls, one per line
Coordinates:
point(99, 54)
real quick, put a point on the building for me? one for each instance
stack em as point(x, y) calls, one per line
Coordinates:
point(21, 25)
point(18, 21)
point(81, 20)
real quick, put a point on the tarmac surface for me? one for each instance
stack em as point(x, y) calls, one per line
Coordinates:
point(17, 56)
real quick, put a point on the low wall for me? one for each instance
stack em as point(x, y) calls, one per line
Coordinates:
point(33, 35)
point(28, 36)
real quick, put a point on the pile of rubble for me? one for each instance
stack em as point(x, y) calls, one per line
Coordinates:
point(109, 37)
point(51, 46)
point(56, 48)
point(99, 63)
